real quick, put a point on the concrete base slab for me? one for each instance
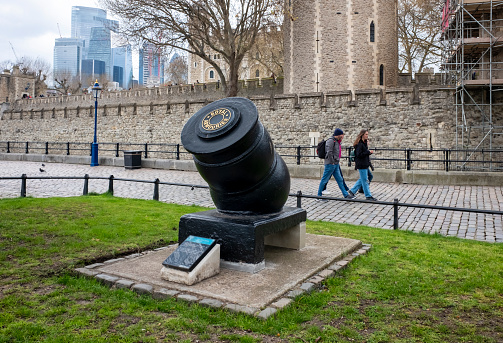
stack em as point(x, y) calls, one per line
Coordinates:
point(292, 238)
point(243, 267)
point(208, 267)
point(285, 269)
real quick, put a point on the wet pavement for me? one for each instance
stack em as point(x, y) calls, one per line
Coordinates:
point(483, 227)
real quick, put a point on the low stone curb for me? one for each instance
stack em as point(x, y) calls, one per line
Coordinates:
point(311, 284)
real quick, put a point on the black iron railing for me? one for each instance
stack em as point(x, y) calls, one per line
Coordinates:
point(387, 158)
point(111, 179)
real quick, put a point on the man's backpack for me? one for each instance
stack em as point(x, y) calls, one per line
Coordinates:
point(352, 156)
point(321, 149)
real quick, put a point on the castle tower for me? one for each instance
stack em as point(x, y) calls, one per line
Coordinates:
point(339, 45)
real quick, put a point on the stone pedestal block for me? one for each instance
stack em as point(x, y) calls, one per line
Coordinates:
point(242, 238)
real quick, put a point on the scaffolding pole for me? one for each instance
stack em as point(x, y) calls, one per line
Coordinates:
point(472, 58)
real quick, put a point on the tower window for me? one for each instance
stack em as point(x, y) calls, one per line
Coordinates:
point(381, 75)
point(212, 74)
point(372, 32)
point(257, 73)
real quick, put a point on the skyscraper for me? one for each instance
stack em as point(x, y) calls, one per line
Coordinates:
point(93, 28)
point(85, 18)
point(67, 56)
point(123, 58)
point(100, 48)
point(91, 70)
point(151, 65)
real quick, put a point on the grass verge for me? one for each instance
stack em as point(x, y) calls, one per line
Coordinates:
point(409, 288)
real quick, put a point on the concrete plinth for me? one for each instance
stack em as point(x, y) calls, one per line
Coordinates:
point(242, 237)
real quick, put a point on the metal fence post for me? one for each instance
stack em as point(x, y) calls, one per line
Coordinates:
point(299, 199)
point(67, 148)
point(156, 189)
point(23, 186)
point(178, 151)
point(408, 158)
point(86, 185)
point(117, 150)
point(298, 155)
point(8, 147)
point(26, 147)
point(395, 214)
point(447, 159)
point(146, 150)
point(111, 185)
point(46, 148)
point(349, 155)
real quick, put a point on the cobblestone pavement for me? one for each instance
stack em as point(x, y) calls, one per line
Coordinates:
point(481, 227)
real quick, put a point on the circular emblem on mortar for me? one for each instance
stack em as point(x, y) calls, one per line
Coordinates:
point(217, 122)
point(216, 119)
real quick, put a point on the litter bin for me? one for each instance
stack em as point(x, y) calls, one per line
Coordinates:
point(132, 159)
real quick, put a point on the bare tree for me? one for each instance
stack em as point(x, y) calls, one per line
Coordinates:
point(177, 70)
point(268, 50)
point(228, 27)
point(66, 83)
point(6, 65)
point(418, 34)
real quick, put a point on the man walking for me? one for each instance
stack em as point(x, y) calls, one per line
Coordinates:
point(332, 157)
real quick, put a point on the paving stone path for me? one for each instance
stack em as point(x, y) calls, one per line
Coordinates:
point(481, 227)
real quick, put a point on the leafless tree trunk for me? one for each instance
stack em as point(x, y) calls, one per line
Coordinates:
point(200, 27)
point(66, 84)
point(418, 34)
point(177, 70)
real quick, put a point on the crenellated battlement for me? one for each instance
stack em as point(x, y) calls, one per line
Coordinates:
point(144, 96)
point(414, 116)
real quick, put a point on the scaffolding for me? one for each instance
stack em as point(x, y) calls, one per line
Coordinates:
point(472, 37)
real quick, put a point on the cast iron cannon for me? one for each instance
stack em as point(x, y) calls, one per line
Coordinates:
point(234, 153)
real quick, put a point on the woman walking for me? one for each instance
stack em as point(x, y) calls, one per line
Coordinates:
point(362, 164)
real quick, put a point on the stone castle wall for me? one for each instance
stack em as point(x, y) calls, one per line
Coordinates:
point(414, 116)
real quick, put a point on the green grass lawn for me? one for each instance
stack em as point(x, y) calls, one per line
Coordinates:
point(408, 288)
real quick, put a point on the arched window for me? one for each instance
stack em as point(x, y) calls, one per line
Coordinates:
point(212, 74)
point(257, 73)
point(381, 75)
point(257, 56)
point(372, 32)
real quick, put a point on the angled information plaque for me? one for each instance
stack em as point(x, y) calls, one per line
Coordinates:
point(189, 253)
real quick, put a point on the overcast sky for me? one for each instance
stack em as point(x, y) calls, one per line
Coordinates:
point(32, 25)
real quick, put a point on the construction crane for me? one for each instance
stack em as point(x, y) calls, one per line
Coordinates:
point(59, 31)
point(14, 51)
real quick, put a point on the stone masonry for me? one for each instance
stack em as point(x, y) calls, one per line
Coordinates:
point(419, 114)
point(340, 45)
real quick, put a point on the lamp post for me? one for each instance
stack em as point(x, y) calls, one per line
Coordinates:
point(94, 147)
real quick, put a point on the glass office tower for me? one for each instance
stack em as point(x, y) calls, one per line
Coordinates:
point(151, 65)
point(123, 58)
point(100, 48)
point(91, 70)
point(91, 25)
point(67, 56)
